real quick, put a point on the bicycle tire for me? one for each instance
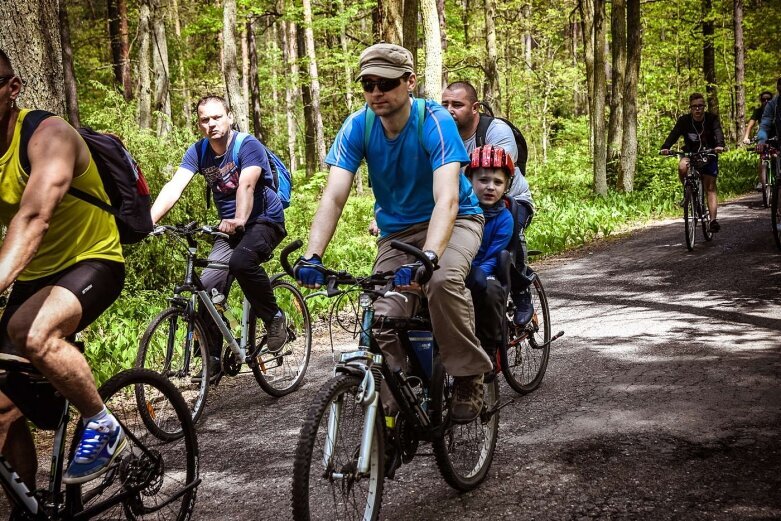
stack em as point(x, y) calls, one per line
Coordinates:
point(283, 372)
point(705, 217)
point(767, 187)
point(525, 353)
point(152, 470)
point(689, 217)
point(463, 452)
point(162, 349)
point(315, 488)
point(775, 214)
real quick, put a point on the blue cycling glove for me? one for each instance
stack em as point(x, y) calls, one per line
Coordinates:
point(305, 272)
point(404, 275)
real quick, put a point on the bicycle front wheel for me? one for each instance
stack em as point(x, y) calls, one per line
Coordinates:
point(524, 358)
point(464, 452)
point(173, 346)
point(705, 216)
point(775, 214)
point(689, 217)
point(282, 372)
point(158, 475)
point(327, 483)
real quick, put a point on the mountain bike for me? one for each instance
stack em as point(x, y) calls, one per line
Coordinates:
point(695, 207)
point(155, 476)
point(174, 344)
point(767, 165)
point(523, 356)
point(347, 447)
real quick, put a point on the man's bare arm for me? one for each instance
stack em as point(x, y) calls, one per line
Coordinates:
point(446, 180)
point(245, 198)
point(170, 193)
point(337, 190)
point(55, 151)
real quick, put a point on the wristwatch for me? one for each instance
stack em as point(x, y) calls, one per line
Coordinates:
point(432, 257)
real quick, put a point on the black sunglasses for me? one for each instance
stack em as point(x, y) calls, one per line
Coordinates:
point(697, 107)
point(385, 84)
point(6, 79)
point(765, 100)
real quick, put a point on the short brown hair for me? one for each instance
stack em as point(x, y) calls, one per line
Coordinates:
point(696, 95)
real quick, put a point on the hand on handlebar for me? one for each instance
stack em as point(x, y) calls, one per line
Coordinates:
point(408, 277)
point(760, 148)
point(307, 274)
point(719, 150)
point(665, 151)
point(231, 226)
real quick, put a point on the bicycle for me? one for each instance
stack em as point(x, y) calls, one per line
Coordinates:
point(695, 207)
point(173, 343)
point(771, 162)
point(523, 355)
point(156, 474)
point(346, 448)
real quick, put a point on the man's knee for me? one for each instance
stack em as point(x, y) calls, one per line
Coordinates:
point(244, 261)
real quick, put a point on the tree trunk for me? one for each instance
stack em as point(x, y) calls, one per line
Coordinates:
point(443, 39)
point(600, 92)
point(144, 78)
point(290, 55)
point(230, 70)
point(709, 57)
point(740, 58)
point(586, 8)
point(186, 102)
point(346, 65)
point(465, 18)
point(626, 174)
point(245, 74)
point(618, 51)
point(491, 91)
point(112, 12)
point(411, 29)
point(391, 21)
point(310, 145)
point(124, 50)
point(432, 75)
point(253, 79)
point(272, 46)
point(69, 78)
point(314, 81)
point(527, 33)
point(32, 42)
point(162, 100)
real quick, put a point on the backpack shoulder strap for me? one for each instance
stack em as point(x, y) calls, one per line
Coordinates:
point(237, 141)
point(420, 108)
point(367, 128)
point(30, 123)
point(482, 129)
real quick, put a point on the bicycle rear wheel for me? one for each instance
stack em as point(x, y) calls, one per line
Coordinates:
point(283, 372)
point(326, 482)
point(157, 476)
point(524, 358)
point(689, 217)
point(171, 338)
point(464, 452)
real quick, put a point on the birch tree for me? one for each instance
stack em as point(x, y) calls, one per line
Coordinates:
point(144, 78)
point(230, 66)
point(432, 74)
point(634, 46)
point(69, 77)
point(290, 57)
point(491, 85)
point(618, 54)
point(740, 69)
point(162, 97)
point(314, 83)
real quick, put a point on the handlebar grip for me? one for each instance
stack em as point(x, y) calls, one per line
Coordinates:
point(418, 254)
point(285, 254)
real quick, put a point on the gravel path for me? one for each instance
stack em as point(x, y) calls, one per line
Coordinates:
point(662, 400)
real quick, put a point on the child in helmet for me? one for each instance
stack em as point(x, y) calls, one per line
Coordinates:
point(491, 172)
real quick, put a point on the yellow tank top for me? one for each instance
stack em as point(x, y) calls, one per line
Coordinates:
point(77, 231)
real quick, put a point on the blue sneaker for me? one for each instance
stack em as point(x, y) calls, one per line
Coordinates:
point(101, 442)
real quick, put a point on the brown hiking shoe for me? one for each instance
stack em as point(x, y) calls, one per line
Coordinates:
point(467, 401)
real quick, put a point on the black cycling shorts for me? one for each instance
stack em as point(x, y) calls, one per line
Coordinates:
point(95, 283)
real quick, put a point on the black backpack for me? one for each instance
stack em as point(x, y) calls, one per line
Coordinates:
point(520, 141)
point(122, 178)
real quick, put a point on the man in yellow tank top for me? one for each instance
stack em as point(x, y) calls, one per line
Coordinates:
point(63, 257)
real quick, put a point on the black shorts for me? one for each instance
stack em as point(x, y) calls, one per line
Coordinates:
point(95, 283)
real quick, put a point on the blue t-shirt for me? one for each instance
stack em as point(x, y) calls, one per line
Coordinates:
point(400, 169)
point(497, 233)
point(222, 176)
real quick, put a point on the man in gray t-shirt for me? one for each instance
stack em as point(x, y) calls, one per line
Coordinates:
point(460, 99)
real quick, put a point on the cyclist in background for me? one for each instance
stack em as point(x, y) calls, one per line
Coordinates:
point(414, 157)
point(771, 120)
point(756, 117)
point(65, 262)
point(700, 130)
point(250, 211)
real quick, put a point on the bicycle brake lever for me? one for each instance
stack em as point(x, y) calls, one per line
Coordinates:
point(395, 294)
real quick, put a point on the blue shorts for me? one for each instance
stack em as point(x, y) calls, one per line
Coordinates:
point(710, 168)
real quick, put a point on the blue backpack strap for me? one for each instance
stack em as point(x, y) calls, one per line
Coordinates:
point(367, 128)
point(420, 109)
point(240, 137)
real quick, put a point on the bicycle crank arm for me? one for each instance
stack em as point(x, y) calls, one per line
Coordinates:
point(549, 342)
point(496, 408)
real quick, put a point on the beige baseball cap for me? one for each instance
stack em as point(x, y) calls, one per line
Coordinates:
point(385, 60)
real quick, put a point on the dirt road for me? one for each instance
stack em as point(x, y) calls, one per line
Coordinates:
point(662, 401)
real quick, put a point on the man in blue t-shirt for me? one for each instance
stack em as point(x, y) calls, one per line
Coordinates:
point(414, 156)
point(249, 209)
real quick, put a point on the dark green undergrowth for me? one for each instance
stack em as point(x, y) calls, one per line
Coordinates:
point(568, 215)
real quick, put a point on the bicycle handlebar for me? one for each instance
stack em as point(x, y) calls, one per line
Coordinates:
point(681, 153)
point(191, 229)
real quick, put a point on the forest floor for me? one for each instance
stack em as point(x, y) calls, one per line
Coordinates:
point(662, 400)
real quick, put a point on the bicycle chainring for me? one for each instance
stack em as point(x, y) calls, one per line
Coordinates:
point(230, 364)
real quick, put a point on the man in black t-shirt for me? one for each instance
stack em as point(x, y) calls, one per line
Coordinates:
point(700, 130)
point(756, 115)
